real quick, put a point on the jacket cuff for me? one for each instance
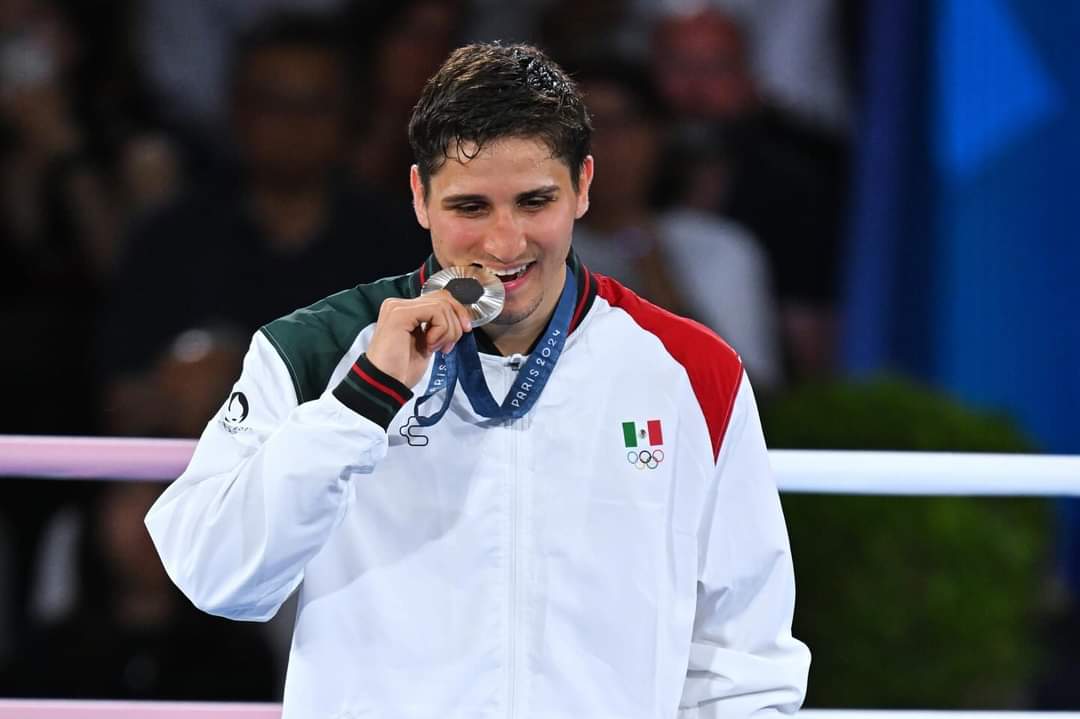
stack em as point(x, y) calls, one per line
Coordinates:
point(369, 391)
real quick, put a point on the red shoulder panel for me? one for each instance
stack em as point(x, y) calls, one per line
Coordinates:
point(714, 368)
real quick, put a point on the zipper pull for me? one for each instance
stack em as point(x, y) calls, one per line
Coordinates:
point(515, 361)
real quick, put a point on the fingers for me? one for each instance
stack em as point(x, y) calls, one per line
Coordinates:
point(440, 335)
point(443, 335)
point(462, 312)
point(408, 331)
point(436, 320)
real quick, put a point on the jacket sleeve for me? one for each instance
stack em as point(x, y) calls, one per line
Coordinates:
point(265, 488)
point(743, 659)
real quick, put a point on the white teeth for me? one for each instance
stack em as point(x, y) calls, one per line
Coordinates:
point(511, 273)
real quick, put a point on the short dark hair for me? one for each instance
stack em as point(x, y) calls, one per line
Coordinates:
point(488, 91)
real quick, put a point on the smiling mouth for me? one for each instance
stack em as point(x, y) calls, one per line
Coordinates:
point(511, 274)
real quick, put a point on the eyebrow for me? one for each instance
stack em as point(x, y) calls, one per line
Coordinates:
point(463, 198)
point(545, 190)
point(459, 199)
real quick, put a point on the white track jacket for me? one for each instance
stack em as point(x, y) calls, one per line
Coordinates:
point(617, 553)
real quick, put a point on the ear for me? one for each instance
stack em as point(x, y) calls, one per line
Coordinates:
point(419, 200)
point(584, 182)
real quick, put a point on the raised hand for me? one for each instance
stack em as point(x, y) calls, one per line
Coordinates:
point(408, 332)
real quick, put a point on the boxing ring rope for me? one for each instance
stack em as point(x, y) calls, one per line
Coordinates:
point(816, 471)
point(810, 471)
point(30, 709)
point(65, 709)
point(93, 457)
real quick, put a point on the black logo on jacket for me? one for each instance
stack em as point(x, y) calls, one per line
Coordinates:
point(412, 434)
point(236, 411)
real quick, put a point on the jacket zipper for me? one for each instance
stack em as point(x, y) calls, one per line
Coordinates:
point(515, 524)
point(513, 570)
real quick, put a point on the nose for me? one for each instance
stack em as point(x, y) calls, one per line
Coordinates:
point(505, 239)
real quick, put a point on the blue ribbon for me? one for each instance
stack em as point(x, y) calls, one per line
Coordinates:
point(463, 363)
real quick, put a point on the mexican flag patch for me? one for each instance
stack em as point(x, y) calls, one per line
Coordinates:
point(643, 434)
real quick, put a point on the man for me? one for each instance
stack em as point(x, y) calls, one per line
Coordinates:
point(280, 229)
point(782, 178)
point(608, 544)
point(694, 263)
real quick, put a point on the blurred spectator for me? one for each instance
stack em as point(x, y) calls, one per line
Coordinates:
point(798, 53)
point(614, 28)
point(54, 200)
point(192, 378)
point(279, 231)
point(133, 635)
point(187, 48)
point(399, 44)
point(689, 261)
point(57, 225)
point(108, 86)
point(785, 180)
point(101, 598)
point(57, 241)
point(121, 125)
point(70, 101)
point(151, 175)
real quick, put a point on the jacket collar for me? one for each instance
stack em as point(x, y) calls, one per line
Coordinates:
point(586, 291)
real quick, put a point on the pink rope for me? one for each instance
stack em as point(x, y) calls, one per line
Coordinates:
point(34, 709)
point(94, 457)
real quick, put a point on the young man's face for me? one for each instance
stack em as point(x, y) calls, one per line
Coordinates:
point(511, 209)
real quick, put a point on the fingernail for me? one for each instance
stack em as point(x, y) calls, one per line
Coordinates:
point(468, 325)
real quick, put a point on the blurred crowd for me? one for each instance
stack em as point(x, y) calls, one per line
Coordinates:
point(175, 174)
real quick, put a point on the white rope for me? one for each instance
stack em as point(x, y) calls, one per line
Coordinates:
point(926, 473)
point(79, 709)
point(817, 471)
point(930, 714)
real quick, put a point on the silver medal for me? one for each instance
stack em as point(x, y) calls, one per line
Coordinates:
point(478, 289)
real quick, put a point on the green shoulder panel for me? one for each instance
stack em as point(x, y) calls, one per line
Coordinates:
point(312, 340)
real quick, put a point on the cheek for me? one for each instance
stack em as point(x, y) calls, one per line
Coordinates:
point(554, 229)
point(556, 233)
point(452, 239)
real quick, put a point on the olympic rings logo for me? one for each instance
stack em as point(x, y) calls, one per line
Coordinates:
point(645, 458)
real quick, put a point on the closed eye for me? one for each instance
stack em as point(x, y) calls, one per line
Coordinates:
point(470, 209)
point(536, 202)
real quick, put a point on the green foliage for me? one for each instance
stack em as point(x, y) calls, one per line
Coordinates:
point(910, 602)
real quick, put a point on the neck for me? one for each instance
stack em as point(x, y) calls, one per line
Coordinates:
point(512, 340)
point(519, 337)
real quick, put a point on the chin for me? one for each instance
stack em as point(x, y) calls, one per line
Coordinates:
point(517, 312)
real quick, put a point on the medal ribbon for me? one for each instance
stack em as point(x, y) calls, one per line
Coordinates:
point(463, 362)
